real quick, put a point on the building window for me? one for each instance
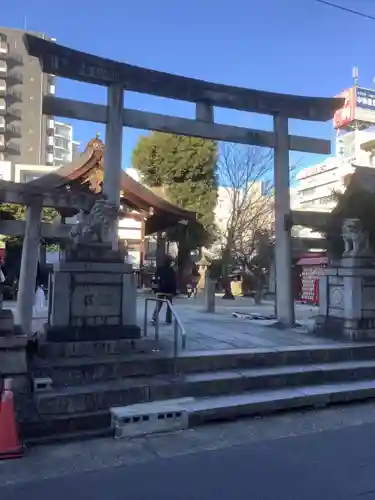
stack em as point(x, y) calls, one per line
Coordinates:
point(61, 142)
point(308, 191)
point(62, 132)
point(30, 177)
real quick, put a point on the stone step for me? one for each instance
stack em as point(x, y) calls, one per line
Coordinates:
point(52, 350)
point(133, 390)
point(79, 370)
point(205, 410)
point(64, 427)
point(264, 402)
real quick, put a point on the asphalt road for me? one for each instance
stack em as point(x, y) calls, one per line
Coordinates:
point(331, 465)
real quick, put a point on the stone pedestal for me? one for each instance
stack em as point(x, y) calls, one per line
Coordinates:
point(347, 299)
point(92, 296)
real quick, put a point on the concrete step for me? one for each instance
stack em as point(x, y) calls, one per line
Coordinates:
point(133, 390)
point(81, 370)
point(264, 402)
point(205, 410)
point(46, 429)
point(53, 350)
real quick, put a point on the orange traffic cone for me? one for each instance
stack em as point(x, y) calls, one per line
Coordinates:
point(10, 446)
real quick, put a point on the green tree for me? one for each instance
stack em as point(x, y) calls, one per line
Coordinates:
point(185, 167)
point(11, 211)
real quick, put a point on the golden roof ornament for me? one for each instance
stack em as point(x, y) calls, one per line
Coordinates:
point(95, 144)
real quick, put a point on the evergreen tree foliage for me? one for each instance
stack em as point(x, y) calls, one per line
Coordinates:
point(185, 167)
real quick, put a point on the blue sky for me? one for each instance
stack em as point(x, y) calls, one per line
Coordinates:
point(291, 46)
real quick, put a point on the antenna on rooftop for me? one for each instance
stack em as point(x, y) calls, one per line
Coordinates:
point(355, 75)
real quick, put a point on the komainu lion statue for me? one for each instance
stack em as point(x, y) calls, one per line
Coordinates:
point(356, 240)
point(95, 226)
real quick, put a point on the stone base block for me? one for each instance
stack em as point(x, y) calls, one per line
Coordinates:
point(343, 329)
point(93, 252)
point(6, 322)
point(13, 361)
point(91, 333)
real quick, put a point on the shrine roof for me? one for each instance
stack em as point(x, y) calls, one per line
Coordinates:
point(160, 213)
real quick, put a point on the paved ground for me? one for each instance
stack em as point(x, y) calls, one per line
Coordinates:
point(220, 330)
point(326, 454)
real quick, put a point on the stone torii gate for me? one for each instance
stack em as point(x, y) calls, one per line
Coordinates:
point(75, 65)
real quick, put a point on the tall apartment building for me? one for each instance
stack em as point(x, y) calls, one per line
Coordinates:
point(25, 133)
point(65, 148)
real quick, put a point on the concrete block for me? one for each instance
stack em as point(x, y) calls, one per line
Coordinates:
point(149, 418)
point(41, 384)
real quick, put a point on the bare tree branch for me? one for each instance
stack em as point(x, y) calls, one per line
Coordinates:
point(246, 174)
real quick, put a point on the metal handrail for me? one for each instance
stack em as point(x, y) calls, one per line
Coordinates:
point(178, 327)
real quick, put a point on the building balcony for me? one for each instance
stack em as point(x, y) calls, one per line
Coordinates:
point(13, 131)
point(14, 113)
point(3, 106)
point(13, 148)
point(51, 125)
point(2, 142)
point(3, 48)
point(13, 96)
point(51, 141)
point(14, 77)
point(3, 87)
point(3, 69)
point(49, 158)
point(2, 124)
point(14, 60)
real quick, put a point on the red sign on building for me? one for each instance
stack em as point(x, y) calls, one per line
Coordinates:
point(346, 114)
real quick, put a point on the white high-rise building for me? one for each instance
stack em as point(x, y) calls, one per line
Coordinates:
point(230, 198)
point(64, 147)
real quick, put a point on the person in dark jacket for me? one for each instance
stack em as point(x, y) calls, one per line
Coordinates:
point(166, 287)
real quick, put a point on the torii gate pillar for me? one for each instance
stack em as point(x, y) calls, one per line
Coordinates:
point(113, 149)
point(283, 246)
